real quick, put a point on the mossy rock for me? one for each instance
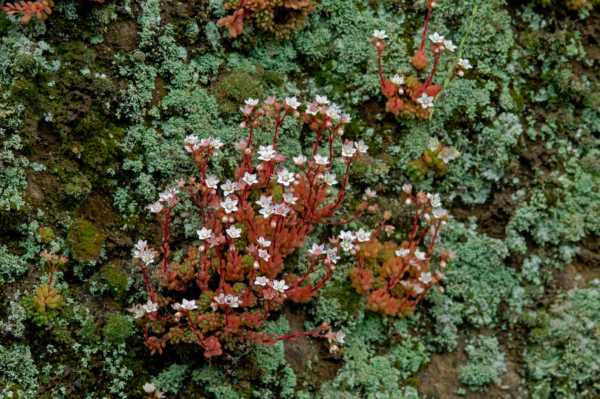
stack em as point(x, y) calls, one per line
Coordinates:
point(85, 240)
point(117, 329)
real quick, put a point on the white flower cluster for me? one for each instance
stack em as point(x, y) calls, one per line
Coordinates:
point(143, 252)
point(348, 238)
point(277, 285)
point(193, 143)
point(323, 106)
point(331, 253)
point(232, 301)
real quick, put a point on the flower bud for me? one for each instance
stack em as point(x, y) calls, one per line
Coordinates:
point(332, 267)
point(340, 132)
point(243, 125)
point(401, 91)
point(273, 224)
point(444, 224)
point(433, 4)
point(320, 176)
point(231, 219)
point(441, 289)
point(408, 202)
point(248, 151)
point(352, 252)
point(327, 261)
point(224, 219)
point(461, 73)
point(328, 124)
point(256, 265)
point(387, 215)
point(202, 248)
point(232, 248)
point(296, 114)
point(215, 154)
point(443, 264)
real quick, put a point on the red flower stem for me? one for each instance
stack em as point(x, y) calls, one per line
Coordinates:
point(424, 39)
point(277, 124)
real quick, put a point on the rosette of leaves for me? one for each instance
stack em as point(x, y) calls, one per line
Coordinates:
point(43, 306)
point(432, 160)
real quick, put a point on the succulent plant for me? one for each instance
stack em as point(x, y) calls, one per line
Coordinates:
point(43, 306)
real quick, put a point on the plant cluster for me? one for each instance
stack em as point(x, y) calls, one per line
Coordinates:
point(45, 304)
point(278, 17)
point(435, 158)
point(41, 9)
point(397, 277)
point(264, 215)
point(412, 96)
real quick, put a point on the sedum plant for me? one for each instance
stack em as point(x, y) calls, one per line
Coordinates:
point(413, 96)
point(251, 224)
point(41, 9)
point(45, 304)
point(435, 158)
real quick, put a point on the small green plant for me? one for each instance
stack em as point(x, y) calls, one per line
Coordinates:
point(435, 158)
point(46, 235)
point(43, 306)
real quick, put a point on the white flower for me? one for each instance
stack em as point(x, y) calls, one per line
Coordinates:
point(263, 253)
point(250, 179)
point(448, 154)
point(434, 143)
point(317, 250)
point(211, 181)
point(397, 80)
point(363, 235)
point(149, 388)
point(234, 232)
point(347, 236)
point(206, 142)
point(436, 38)
point(262, 281)
point(251, 102)
point(407, 284)
point(361, 147)
point(191, 140)
point(188, 305)
point(216, 143)
point(204, 233)
point(138, 311)
point(321, 160)
point(168, 195)
point(247, 110)
point(339, 337)
point(348, 150)
point(464, 63)
point(322, 100)
point(220, 299)
point(155, 207)
point(266, 153)
point(232, 301)
point(270, 100)
point(285, 177)
point(370, 193)
point(426, 277)
point(229, 205)
point(300, 160)
point(150, 306)
point(332, 255)
point(419, 255)
point(439, 213)
point(345, 118)
point(407, 188)
point(280, 285)
point(418, 289)
point(281, 209)
point(425, 100)
point(434, 199)
point(229, 187)
point(141, 245)
point(292, 102)
point(289, 198)
point(347, 245)
point(147, 257)
point(449, 46)
point(330, 178)
point(267, 211)
point(403, 252)
point(380, 34)
point(176, 306)
point(263, 242)
point(264, 201)
point(333, 113)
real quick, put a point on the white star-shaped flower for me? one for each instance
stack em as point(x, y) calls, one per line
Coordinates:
point(262, 281)
point(425, 100)
point(419, 255)
point(347, 236)
point(407, 188)
point(321, 160)
point(263, 242)
point(439, 213)
point(220, 299)
point(267, 211)
point(204, 233)
point(361, 147)
point(332, 255)
point(322, 100)
point(149, 387)
point(150, 306)
point(250, 179)
point(266, 153)
point(292, 102)
point(348, 150)
point(317, 250)
point(464, 63)
point(363, 235)
point(347, 245)
point(285, 177)
point(155, 207)
point(289, 198)
point(434, 199)
point(300, 160)
point(188, 305)
point(251, 102)
point(426, 277)
point(233, 232)
point(436, 38)
point(403, 252)
point(449, 46)
point(263, 253)
point(232, 301)
point(397, 80)
point(229, 187)
point(380, 34)
point(280, 285)
point(370, 193)
point(211, 181)
point(434, 143)
point(329, 178)
point(229, 205)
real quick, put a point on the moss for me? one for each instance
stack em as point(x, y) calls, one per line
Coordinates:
point(85, 240)
point(116, 280)
point(117, 329)
point(234, 87)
